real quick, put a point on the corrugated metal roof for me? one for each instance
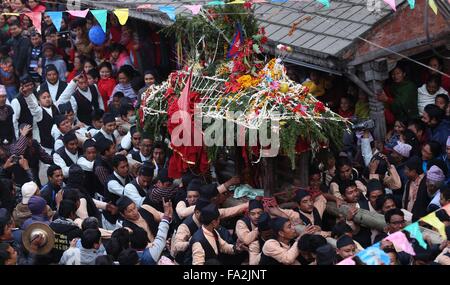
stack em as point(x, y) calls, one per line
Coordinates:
point(327, 32)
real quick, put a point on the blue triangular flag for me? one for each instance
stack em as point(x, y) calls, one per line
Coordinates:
point(169, 10)
point(101, 16)
point(412, 3)
point(415, 232)
point(373, 255)
point(326, 3)
point(56, 19)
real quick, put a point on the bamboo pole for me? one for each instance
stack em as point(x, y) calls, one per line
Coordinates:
point(375, 220)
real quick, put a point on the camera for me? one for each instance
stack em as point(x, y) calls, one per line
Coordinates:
point(15, 159)
point(364, 125)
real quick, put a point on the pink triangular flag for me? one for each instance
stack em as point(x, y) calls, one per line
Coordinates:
point(392, 4)
point(183, 101)
point(194, 8)
point(144, 6)
point(36, 19)
point(401, 242)
point(347, 261)
point(78, 13)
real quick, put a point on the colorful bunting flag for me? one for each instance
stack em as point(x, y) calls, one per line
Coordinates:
point(144, 6)
point(236, 2)
point(347, 261)
point(78, 13)
point(391, 3)
point(373, 255)
point(56, 19)
point(433, 6)
point(400, 242)
point(101, 16)
point(169, 10)
point(434, 221)
point(36, 19)
point(412, 3)
point(258, 1)
point(415, 232)
point(326, 3)
point(122, 15)
point(278, 1)
point(215, 3)
point(194, 8)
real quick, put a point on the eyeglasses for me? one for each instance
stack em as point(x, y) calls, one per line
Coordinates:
point(398, 222)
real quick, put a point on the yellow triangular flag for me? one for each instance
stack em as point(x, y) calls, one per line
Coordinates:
point(122, 15)
point(433, 6)
point(434, 221)
point(237, 2)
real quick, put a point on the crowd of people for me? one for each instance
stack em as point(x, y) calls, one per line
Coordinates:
point(73, 157)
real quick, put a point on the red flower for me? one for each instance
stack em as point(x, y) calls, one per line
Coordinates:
point(248, 5)
point(300, 109)
point(262, 31)
point(319, 107)
point(264, 40)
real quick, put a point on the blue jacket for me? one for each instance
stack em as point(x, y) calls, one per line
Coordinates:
point(441, 133)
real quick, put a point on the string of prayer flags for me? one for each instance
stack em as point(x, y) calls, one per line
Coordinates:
point(56, 17)
point(373, 255)
point(433, 6)
point(434, 221)
point(412, 3)
point(400, 242)
point(195, 9)
point(78, 13)
point(101, 16)
point(122, 15)
point(169, 10)
point(236, 2)
point(278, 1)
point(415, 232)
point(36, 19)
point(391, 3)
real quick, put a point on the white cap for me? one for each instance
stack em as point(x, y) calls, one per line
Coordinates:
point(28, 190)
point(403, 149)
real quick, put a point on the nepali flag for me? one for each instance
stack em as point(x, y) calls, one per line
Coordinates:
point(236, 43)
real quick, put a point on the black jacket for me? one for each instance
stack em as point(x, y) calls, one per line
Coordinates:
point(20, 47)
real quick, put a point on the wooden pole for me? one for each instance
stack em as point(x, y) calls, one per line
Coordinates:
point(268, 176)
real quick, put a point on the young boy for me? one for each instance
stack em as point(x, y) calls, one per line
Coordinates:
point(35, 57)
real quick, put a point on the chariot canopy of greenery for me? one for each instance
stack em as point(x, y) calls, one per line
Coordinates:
point(250, 82)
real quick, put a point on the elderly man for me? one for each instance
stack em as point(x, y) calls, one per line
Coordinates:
point(435, 180)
